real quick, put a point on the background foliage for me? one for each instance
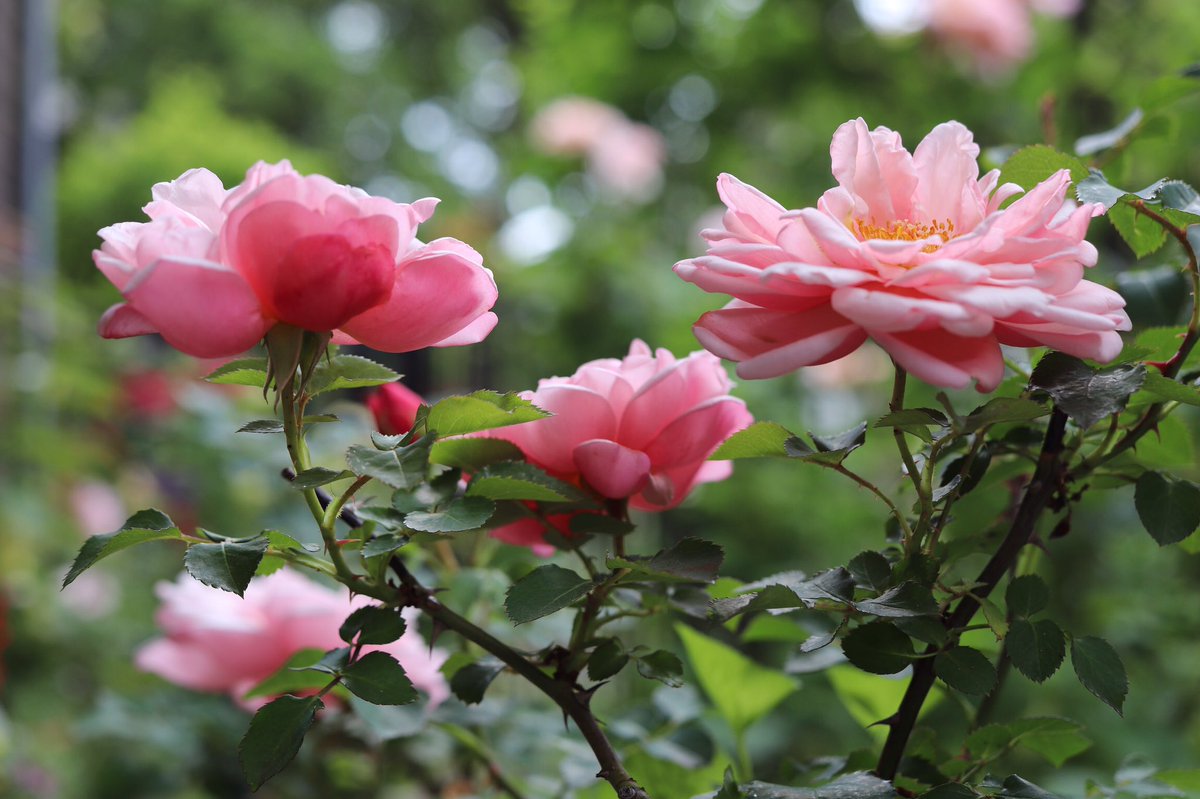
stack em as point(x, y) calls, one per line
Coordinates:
point(413, 99)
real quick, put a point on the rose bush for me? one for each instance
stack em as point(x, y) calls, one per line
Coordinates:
point(912, 251)
point(218, 642)
point(214, 269)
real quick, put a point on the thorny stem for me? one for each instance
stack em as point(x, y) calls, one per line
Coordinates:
point(874, 489)
point(910, 465)
point(1046, 479)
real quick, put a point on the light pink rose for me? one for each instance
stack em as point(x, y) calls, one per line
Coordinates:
point(995, 35)
point(640, 428)
point(912, 251)
point(218, 642)
point(573, 125)
point(97, 507)
point(214, 269)
point(394, 407)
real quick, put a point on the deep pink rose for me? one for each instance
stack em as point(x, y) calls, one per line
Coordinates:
point(218, 642)
point(394, 407)
point(214, 269)
point(640, 428)
point(912, 251)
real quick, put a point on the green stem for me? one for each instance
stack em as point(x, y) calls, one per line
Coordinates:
point(913, 542)
point(874, 489)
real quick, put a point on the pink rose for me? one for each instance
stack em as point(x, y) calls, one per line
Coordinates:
point(640, 428)
point(912, 251)
point(214, 269)
point(995, 35)
point(394, 407)
point(573, 125)
point(221, 643)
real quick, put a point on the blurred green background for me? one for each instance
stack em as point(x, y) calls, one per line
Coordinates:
point(411, 99)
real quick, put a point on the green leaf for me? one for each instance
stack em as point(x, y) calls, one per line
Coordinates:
point(906, 599)
point(1055, 739)
point(293, 677)
point(472, 454)
point(1099, 669)
point(1096, 189)
point(966, 670)
point(1098, 142)
point(274, 737)
point(319, 476)
point(996, 619)
point(143, 526)
point(244, 372)
point(829, 450)
point(923, 628)
point(262, 426)
point(870, 570)
point(878, 648)
point(1036, 648)
point(520, 481)
point(471, 682)
point(461, 513)
point(1001, 410)
point(1020, 788)
point(404, 468)
point(608, 658)
point(1085, 394)
point(348, 371)
point(1026, 595)
point(378, 678)
point(483, 410)
point(228, 565)
point(543, 591)
point(1029, 166)
point(1187, 779)
point(383, 545)
point(1164, 389)
point(759, 440)
point(740, 689)
point(692, 560)
point(858, 785)
point(915, 421)
point(661, 665)
point(373, 625)
point(1143, 235)
point(1168, 509)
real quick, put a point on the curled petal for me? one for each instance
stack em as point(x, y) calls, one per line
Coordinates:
point(123, 321)
point(611, 469)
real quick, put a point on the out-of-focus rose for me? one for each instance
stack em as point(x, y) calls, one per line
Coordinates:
point(97, 507)
point(147, 394)
point(531, 532)
point(912, 251)
point(394, 407)
point(214, 269)
point(640, 428)
point(624, 157)
point(218, 642)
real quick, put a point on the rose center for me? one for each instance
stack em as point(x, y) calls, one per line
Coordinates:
point(904, 230)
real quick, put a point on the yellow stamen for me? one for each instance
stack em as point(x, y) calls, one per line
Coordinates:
point(904, 230)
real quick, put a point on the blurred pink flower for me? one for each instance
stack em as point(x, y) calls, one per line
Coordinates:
point(912, 251)
point(640, 428)
point(624, 157)
point(995, 35)
point(97, 507)
point(214, 269)
point(218, 642)
point(394, 407)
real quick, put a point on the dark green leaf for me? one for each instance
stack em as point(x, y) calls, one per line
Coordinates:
point(331, 662)
point(966, 670)
point(661, 665)
point(598, 524)
point(1099, 669)
point(1169, 509)
point(143, 526)
point(924, 628)
point(1001, 410)
point(383, 545)
point(1020, 788)
point(772, 597)
point(348, 371)
point(1096, 189)
point(372, 625)
point(461, 513)
point(975, 471)
point(228, 565)
point(759, 440)
point(878, 647)
point(244, 372)
point(1036, 648)
point(870, 570)
point(543, 591)
point(608, 658)
point(471, 682)
point(274, 737)
point(915, 421)
point(1026, 595)
point(690, 560)
point(906, 599)
point(520, 481)
point(827, 450)
point(387, 518)
point(1029, 166)
point(1098, 142)
point(399, 468)
point(483, 410)
point(262, 426)
point(1085, 394)
point(378, 678)
point(319, 476)
point(729, 786)
point(858, 785)
point(950, 790)
point(472, 454)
